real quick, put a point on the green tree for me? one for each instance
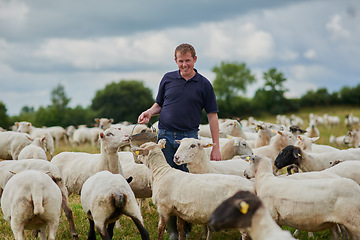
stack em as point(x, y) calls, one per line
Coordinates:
point(122, 101)
point(231, 79)
point(59, 99)
point(4, 118)
point(271, 97)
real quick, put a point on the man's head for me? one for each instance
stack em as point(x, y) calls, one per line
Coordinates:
point(185, 58)
point(184, 48)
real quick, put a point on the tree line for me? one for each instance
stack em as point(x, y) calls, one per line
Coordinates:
point(126, 99)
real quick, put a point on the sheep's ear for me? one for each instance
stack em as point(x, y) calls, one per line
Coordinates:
point(140, 151)
point(28, 137)
point(178, 141)
point(280, 133)
point(97, 120)
point(129, 179)
point(206, 145)
point(111, 120)
point(17, 124)
point(243, 206)
point(13, 172)
point(162, 142)
point(229, 136)
point(314, 139)
point(297, 153)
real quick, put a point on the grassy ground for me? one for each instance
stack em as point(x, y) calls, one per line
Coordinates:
point(128, 230)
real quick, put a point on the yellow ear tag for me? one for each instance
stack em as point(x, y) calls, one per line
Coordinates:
point(137, 152)
point(244, 207)
point(209, 145)
point(247, 158)
point(299, 154)
point(163, 146)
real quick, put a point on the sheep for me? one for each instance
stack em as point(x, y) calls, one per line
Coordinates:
point(11, 144)
point(141, 183)
point(233, 128)
point(192, 152)
point(312, 130)
point(32, 204)
point(331, 121)
point(76, 167)
point(81, 135)
point(105, 197)
point(338, 141)
point(308, 161)
point(104, 123)
point(173, 190)
point(308, 204)
point(278, 142)
point(263, 136)
point(352, 138)
point(296, 130)
point(307, 144)
point(351, 121)
point(246, 211)
point(27, 127)
point(7, 166)
point(36, 150)
point(235, 146)
point(58, 133)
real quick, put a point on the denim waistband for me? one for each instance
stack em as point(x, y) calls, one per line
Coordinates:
point(178, 133)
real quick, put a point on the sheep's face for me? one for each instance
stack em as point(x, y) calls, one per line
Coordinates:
point(235, 212)
point(242, 148)
point(114, 138)
point(188, 151)
point(289, 155)
point(23, 127)
point(228, 127)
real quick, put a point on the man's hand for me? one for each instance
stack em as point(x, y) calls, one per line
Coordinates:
point(144, 117)
point(215, 153)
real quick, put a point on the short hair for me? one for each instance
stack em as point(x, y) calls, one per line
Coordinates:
point(184, 48)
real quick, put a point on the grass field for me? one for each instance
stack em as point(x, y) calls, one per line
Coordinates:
point(128, 230)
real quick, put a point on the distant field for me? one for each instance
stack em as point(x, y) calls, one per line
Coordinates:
point(128, 229)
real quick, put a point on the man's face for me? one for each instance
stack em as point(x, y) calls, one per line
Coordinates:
point(185, 63)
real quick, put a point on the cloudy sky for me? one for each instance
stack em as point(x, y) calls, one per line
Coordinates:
point(84, 45)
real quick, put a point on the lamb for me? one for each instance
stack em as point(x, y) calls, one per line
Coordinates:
point(39, 164)
point(59, 134)
point(32, 204)
point(11, 144)
point(246, 211)
point(307, 144)
point(308, 204)
point(26, 127)
point(36, 150)
point(76, 167)
point(352, 138)
point(279, 141)
point(141, 183)
point(192, 152)
point(308, 162)
point(263, 136)
point(312, 130)
point(104, 203)
point(235, 146)
point(105, 123)
point(173, 190)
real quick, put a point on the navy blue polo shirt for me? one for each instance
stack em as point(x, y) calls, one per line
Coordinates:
point(182, 101)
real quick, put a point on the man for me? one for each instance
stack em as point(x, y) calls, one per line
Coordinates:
point(182, 96)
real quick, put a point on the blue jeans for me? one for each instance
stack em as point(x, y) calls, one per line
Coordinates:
point(171, 146)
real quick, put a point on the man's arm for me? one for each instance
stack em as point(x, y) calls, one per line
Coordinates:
point(145, 116)
point(214, 129)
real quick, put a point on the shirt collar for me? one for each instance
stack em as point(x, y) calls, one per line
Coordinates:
point(194, 78)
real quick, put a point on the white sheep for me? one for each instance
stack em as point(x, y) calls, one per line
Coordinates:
point(32, 204)
point(191, 197)
point(8, 166)
point(192, 152)
point(308, 204)
point(278, 142)
point(36, 150)
point(105, 197)
point(312, 130)
point(141, 176)
point(307, 144)
point(11, 144)
point(338, 141)
point(27, 127)
point(59, 134)
point(308, 161)
point(246, 211)
point(352, 138)
point(76, 167)
point(263, 136)
point(104, 123)
point(235, 146)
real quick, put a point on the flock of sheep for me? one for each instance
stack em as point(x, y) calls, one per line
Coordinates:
point(247, 190)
